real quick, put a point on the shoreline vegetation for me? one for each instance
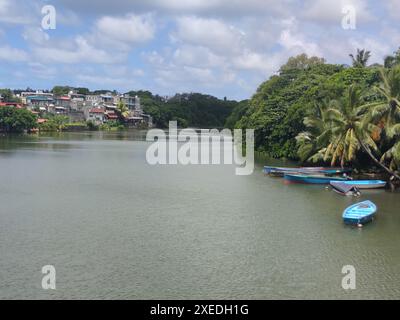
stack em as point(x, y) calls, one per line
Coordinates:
point(309, 112)
point(326, 114)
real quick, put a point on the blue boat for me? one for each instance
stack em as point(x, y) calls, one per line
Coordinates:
point(366, 184)
point(360, 213)
point(304, 170)
point(311, 179)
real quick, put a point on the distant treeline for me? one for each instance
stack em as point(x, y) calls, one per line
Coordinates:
point(188, 109)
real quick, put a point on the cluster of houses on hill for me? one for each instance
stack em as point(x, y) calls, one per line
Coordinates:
point(98, 108)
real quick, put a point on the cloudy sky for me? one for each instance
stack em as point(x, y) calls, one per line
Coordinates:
point(220, 47)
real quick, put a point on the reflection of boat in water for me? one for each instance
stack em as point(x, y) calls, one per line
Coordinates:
point(360, 213)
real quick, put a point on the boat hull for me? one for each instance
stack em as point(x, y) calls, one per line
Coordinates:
point(309, 179)
point(357, 221)
point(304, 170)
point(366, 184)
point(359, 213)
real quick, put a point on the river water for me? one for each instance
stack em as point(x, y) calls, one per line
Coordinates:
point(115, 227)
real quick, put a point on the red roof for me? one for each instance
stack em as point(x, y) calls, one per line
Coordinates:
point(64, 98)
point(96, 110)
point(10, 104)
point(41, 120)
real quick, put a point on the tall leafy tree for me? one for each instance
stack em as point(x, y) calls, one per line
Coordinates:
point(361, 58)
point(8, 96)
point(387, 113)
point(311, 143)
point(16, 120)
point(392, 60)
point(345, 128)
point(349, 132)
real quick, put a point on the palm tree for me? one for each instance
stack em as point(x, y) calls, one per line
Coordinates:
point(387, 112)
point(361, 58)
point(311, 143)
point(122, 110)
point(393, 156)
point(346, 129)
point(349, 132)
point(391, 61)
point(352, 130)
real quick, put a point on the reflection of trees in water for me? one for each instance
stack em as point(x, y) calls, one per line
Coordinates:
point(63, 141)
point(12, 143)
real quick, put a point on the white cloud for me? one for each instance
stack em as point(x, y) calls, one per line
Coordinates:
point(199, 74)
point(119, 76)
point(8, 53)
point(262, 63)
point(295, 42)
point(198, 7)
point(197, 56)
point(210, 52)
point(210, 33)
point(35, 35)
point(42, 71)
point(378, 48)
point(131, 29)
point(81, 51)
point(153, 58)
point(216, 46)
point(101, 80)
point(14, 12)
point(393, 8)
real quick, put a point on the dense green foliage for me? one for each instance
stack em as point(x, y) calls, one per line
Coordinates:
point(61, 123)
point(237, 113)
point(8, 96)
point(345, 126)
point(54, 123)
point(392, 60)
point(64, 90)
point(60, 90)
point(278, 107)
point(16, 120)
point(329, 113)
point(361, 58)
point(189, 109)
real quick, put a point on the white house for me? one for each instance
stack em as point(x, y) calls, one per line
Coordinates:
point(96, 115)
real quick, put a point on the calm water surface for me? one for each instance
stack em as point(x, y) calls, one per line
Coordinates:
point(117, 228)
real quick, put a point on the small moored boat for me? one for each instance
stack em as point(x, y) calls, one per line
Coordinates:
point(366, 184)
point(312, 179)
point(360, 213)
point(269, 169)
point(344, 189)
point(280, 171)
